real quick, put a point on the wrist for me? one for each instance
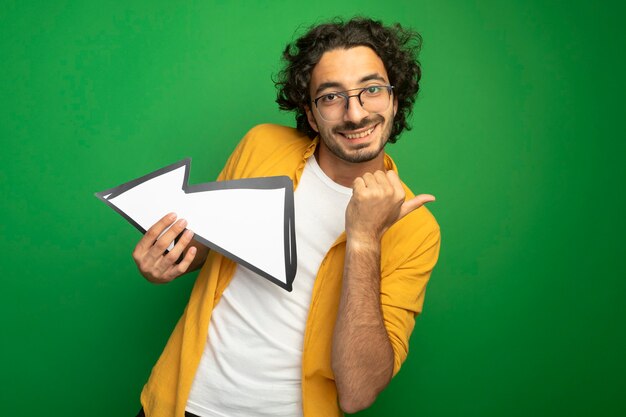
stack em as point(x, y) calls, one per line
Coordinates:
point(363, 241)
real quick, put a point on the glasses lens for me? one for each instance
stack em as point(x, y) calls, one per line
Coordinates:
point(331, 106)
point(374, 99)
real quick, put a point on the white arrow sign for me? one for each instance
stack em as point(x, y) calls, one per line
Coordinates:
point(251, 221)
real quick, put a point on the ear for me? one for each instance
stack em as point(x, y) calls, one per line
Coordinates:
point(395, 106)
point(311, 118)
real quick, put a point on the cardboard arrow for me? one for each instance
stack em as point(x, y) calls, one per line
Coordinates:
point(251, 221)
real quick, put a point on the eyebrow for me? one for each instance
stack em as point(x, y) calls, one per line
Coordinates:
point(334, 84)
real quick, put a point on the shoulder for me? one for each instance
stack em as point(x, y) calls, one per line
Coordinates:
point(272, 136)
point(266, 150)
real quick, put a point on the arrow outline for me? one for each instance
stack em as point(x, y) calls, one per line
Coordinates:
point(262, 183)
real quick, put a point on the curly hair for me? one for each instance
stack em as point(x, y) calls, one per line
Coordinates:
point(396, 46)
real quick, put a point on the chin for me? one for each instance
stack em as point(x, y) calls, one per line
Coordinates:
point(355, 156)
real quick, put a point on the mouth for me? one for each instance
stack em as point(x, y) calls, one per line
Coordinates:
point(358, 134)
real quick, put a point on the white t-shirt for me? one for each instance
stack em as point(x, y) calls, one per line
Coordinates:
point(251, 364)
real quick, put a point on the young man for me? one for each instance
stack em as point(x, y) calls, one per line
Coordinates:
point(366, 247)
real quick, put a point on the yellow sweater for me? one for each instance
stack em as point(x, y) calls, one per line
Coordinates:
point(409, 251)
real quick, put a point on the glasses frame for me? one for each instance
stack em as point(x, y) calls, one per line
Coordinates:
point(347, 96)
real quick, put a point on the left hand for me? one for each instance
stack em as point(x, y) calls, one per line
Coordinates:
point(377, 203)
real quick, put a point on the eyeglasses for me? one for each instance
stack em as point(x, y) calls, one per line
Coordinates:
point(373, 99)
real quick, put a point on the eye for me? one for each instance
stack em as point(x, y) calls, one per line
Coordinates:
point(373, 90)
point(329, 98)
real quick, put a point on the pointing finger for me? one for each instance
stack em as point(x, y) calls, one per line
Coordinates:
point(415, 203)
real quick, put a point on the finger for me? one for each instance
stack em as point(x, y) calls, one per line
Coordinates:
point(173, 255)
point(396, 184)
point(394, 180)
point(358, 184)
point(381, 178)
point(153, 233)
point(369, 179)
point(182, 267)
point(415, 203)
point(168, 237)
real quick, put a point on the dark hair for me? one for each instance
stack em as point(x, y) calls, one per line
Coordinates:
point(397, 47)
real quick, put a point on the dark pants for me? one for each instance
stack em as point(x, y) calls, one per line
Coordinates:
point(187, 414)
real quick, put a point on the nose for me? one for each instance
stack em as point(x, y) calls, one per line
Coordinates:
point(354, 111)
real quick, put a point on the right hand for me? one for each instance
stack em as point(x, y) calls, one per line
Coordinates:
point(154, 264)
point(378, 201)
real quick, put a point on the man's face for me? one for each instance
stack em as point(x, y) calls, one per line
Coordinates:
point(358, 136)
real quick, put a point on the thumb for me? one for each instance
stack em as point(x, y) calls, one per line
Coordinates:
point(415, 203)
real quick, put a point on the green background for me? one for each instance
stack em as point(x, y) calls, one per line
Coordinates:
point(518, 131)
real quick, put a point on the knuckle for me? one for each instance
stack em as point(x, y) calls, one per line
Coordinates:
point(141, 264)
point(173, 272)
point(161, 244)
point(155, 280)
point(154, 273)
point(171, 257)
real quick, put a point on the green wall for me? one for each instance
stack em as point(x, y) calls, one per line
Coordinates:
point(518, 131)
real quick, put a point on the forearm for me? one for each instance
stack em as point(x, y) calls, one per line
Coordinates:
point(362, 356)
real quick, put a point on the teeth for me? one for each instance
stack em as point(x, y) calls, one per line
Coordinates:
point(359, 135)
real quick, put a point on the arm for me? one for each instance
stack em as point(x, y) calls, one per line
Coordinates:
point(157, 266)
point(362, 355)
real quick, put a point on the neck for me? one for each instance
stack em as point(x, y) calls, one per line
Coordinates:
point(344, 172)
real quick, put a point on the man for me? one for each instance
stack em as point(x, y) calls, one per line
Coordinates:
point(366, 247)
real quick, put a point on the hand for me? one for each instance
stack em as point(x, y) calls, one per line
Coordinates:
point(377, 203)
point(149, 254)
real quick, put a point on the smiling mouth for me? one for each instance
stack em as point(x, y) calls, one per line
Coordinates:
point(359, 135)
